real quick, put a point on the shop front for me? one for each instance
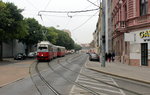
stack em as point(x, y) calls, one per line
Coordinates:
point(139, 48)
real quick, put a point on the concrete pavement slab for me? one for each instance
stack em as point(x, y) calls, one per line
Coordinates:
point(12, 72)
point(136, 73)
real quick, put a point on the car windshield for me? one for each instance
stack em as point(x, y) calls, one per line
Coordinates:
point(31, 53)
point(19, 54)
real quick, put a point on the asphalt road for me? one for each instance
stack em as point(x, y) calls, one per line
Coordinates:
point(27, 85)
point(62, 74)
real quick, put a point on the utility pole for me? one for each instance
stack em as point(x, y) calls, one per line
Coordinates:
point(103, 31)
point(103, 34)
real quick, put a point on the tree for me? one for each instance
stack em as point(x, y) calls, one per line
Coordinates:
point(65, 40)
point(77, 47)
point(34, 35)
point(12, 25)
point(60, 38)
point(52, 35)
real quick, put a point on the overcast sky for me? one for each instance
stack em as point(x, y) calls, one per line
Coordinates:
point(81, 25)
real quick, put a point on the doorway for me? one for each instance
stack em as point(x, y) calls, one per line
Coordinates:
point(144, 54)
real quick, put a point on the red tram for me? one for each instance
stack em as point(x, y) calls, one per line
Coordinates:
point(47, 51)
point(54, 51)
point(44, 51)
point(61, 51)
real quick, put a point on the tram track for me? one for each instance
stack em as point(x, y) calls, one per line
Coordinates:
point(67, 60)
point(31, 76)
point(75, 83)
point(49, 86)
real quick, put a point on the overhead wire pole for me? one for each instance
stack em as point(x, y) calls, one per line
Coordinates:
point(103, 31)
point(103, 34)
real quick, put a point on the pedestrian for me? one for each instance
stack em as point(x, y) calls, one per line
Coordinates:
point(109, 57)
point(113, 56)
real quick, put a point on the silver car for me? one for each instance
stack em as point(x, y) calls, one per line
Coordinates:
point(94, 57)
point(32, 55)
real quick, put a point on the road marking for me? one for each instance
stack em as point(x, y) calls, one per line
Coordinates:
point(72, 89)
point(122, 92)
point(102, 89)
point(97, 84)
point(106, 80)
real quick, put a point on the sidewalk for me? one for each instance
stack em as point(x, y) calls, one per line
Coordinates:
point(12, 70)
point(137, 73)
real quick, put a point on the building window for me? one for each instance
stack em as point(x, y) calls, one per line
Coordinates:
point(143, 7)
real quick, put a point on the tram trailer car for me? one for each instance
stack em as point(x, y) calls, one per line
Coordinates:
point(55, 50)
point(44, 51)
point(61, 51)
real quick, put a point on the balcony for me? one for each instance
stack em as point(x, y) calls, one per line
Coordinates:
point(120, 26)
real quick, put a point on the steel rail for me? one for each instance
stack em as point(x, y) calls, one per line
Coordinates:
point(75, 83)
point(47, 83)
point(97, 79)
point(33, 80)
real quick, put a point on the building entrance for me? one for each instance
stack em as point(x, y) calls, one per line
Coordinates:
point(144, 54)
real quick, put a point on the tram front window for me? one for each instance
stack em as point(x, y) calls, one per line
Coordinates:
point(42, 49)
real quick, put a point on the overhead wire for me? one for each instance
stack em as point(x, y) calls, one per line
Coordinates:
point(93, 3)
point(47, 4)
point(31, 4)
point(85, 8)
point(82, 25)
point(40, 13)
point(81, 11)
point(76, 15)
point(85, 21)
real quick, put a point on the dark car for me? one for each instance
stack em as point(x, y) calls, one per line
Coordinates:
point(20, 56)
point(94, 57)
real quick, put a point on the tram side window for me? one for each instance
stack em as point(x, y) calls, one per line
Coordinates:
point(59, 49)
point(42, 49)
point(49, 48)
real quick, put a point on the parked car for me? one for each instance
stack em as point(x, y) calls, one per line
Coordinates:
point(94, 57)
point(20, 56)
point(32, 54)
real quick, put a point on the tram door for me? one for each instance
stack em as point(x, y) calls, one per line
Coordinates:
point(144, 54)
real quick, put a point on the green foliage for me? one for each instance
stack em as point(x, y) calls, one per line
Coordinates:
point(52, 35)
point(12, 25)
point(60, 38)
point(65, 40)
point(77, 47)
point(28, 31)
point(34, 32)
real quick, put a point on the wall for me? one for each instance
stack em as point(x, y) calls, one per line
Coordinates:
point(12, 48)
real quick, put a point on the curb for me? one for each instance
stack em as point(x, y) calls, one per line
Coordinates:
point(11, 82)
point(112, 74)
